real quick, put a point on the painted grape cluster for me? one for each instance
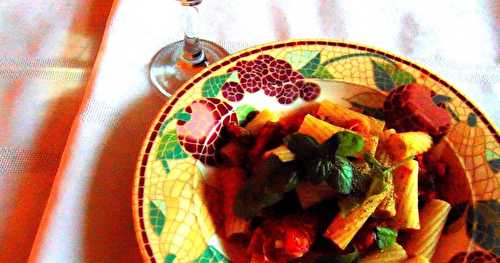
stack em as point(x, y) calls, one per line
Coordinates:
point(275, 77)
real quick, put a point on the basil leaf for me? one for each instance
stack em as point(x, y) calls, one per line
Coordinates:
point(271, 179)
point(386, 237)
point(350, 143)
point(360, 182)
point(318, 170)
point(282, 181)
point(378, 168)
point(303, 146)
point(330, 146)
point(341, 178)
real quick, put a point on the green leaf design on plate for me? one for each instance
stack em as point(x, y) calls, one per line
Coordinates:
point(472, 120)
point(490, 155)
point(170, 258)
point(165, 165)
point(164, 125)
point(299, 58)
point(308, 69)
point(493, 160)
point(494, 165)
point(243, 111)
point(156, 216)
point(211, 255)
point(212, 86)
point(170, 148)
point(388, 76)
point(322, 73)
point(401, 78)
point(179, 115)
point(483, 226)
point(313, 69)
point(438, 99)
point(182, 115)
point(382, 78)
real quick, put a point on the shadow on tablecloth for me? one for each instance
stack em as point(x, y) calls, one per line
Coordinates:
point(37, 178)
point(108, 231)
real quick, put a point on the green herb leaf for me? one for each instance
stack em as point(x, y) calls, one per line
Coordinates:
point(212, 86)
point(270, 181)
point(350, 143)
point(303, 146)
point(386, 237)
point(330, 146)
point(341, 177)
point(319, 169)
point(374, 163)
point(360, 182)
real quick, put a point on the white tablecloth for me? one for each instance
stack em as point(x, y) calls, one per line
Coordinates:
point(47, 50)
point(88, 217)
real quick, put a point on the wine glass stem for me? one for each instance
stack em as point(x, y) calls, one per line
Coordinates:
point(193, 52)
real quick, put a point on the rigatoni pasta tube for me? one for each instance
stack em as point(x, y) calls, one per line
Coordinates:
point(343, 228)
point(233, 179)
point(341, 116)
point(406, 191)
point(318, 129)
point(432, 219)
point(260, 120)
point(387, 207)
point(393, 254)
point(321, 131)
point(282, 152)
point(407, 144)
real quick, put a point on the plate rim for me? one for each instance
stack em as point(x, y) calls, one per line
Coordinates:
point(138, 187)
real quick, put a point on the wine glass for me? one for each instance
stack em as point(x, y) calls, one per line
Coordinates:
point(178, 61)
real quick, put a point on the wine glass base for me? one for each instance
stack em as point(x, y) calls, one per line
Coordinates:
point(168, 70)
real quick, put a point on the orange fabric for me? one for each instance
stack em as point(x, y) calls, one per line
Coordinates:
point(35, 62)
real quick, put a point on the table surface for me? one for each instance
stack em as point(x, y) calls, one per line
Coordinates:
point(75, 103)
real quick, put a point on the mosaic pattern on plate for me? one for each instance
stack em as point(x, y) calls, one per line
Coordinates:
point(173, 218)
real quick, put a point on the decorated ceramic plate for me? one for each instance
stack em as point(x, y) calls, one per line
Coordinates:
point(177, 204)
